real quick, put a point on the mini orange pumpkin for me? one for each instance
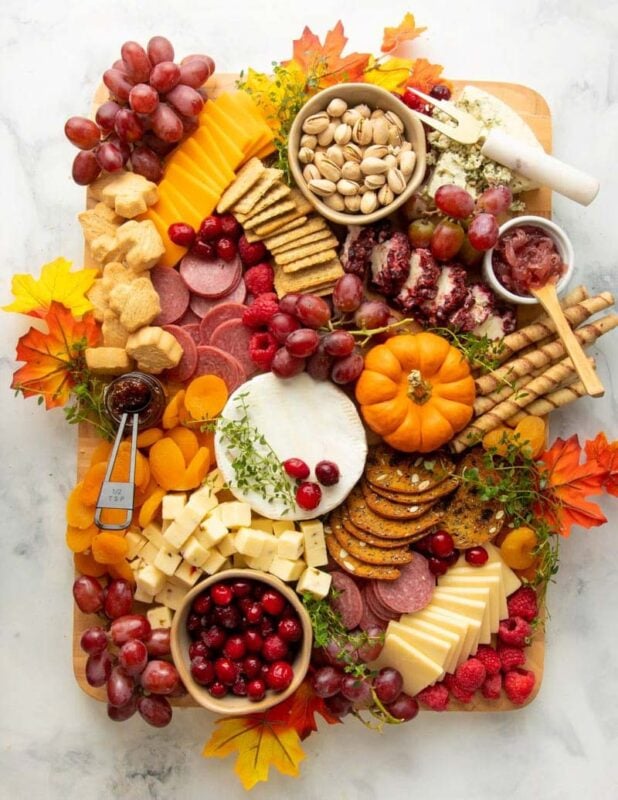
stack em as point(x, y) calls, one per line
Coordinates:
point(416, 392)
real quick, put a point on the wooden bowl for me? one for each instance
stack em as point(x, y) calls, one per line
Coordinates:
point(374, 97)
point(232, 705)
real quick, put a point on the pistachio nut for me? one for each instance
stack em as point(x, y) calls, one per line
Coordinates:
point(328, 135)
point(386, 195)
point(375, 151)
point(305, 155)
point(343, 133)
point(394, 136)
point(395, 120)
point(322, 187)
point(375, 182)
point(407, 162)
point(346, 187)
point(336, 107)
point(369, 202)
point(362, 131)
point(309, 140)
point(376, 113)
point(363, 109)
point(373, 166)
point(351, 171)
point(316, 123)
point(396, 180)
point(380, 130)
point(352, 152)
point(335, 201)
point(350, 117)
point(328, 168)
point(390, 161)
point(405, 145)
point(352, 203)
point(335, 153)
point(311, 173)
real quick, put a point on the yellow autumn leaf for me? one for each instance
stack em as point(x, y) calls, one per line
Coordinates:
point(404, 32)
point(261, 741)
point(56, 283)
point(391, 74)
point(272, 93)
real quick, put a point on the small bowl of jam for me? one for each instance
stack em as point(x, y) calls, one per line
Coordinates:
point(135, 393)
point(530, 252)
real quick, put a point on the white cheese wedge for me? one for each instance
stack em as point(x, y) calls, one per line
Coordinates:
point(187, 574)
point(150, 579)
point(469, 607)
point(455, 640)
point(417, 670)
point(135, 542)
point(316, 554)
point(167, 561)
point(287, 569)
point(291, 545)
point(436, 649)
point(171, 596)
point(300, 418)
point(235, 515)
point(467, 629)
point(483, 595)
point(510, 579)
point(194, 553)
point(314, 581)
point(492, 582)
point(214, 563)
point(159, 617)
point(227, 545)
point(172, 505)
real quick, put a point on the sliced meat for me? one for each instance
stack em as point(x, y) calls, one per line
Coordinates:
point(194, 332)
point(188, 318)
point(216, 316)
point(173, 294)
point(233, 337)
point(377, 609)
point(348, 603)
point(411, 591)
point(187, 365)
point(213, 361)
point(213, 278)
point(369, 619)
point(200, 306)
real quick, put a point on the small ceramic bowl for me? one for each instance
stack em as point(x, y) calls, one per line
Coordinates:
point(563, 244)
point(180, 641)
point(374, 97)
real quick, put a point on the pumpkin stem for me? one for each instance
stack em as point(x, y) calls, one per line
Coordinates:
point(419, 390)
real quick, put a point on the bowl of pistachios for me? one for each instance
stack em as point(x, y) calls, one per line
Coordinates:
point(356, 152)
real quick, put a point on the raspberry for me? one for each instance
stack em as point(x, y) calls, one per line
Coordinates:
point(491, 687)
point(510, 657)
point(259, 279)
point(260, 311)
point(514, 631)
point(489, 659)
point(456, 691)
point(434, 697)
point(518, 685)
point(262, 349)
point(523, 603)
point(250, 252)
point(470, 675)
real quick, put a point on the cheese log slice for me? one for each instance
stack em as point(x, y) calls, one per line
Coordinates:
point(440, 632)
point(468, 607)
point(417, 670)
point(492, 582)
point(436, 649)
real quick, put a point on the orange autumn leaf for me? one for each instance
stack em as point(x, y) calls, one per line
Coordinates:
point(404, 32)
point(425, 76)
point(53, 357)
point(326, 59)
point(569, 484)
point(305, 704)
point(606, 455)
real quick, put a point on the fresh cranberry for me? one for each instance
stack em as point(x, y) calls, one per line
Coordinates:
point(256, 689)
point(228, 617)
point(274, 648)
point(181, 234)
point(254, 613)
point(234, 647)
point(441, 544)
point(221, 594)
point(264, 671)
point(202, 670)
point(226, 249)
point(267, 626)
point(423, 545)
point(239, 687)
point(440, 92)
point(210, 229)
point(253, 640)
point(230, 227)
point(193, 623)
point(214, 637)
point(280, 675)
point(252, 666)
point(308, 495)
point(273, 602)
point(202, 604)
point(290, 630)
point(226, 671)
point(296, 468)
point(241, 588)
point(327, 472)
point(452, 559)
point(258, 590)
point(217, 689)
point(414, 102)
point(198, 649)
point(205, 250)
point(437, 566)
point(477, 556)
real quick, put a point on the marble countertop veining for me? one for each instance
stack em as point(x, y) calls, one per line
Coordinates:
point(57, 743)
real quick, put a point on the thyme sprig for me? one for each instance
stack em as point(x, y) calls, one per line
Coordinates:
point(480, 351)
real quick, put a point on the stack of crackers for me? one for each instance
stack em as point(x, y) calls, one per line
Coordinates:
point(303, 246)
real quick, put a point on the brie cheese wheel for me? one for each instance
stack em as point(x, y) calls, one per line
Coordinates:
point(298, 418)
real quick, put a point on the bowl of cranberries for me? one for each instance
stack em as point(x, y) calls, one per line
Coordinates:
point(241, 642)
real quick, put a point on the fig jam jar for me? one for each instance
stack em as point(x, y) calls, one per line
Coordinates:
point(135, 392)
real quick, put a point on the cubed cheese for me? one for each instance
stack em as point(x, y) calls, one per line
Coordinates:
point(262, 562)
point(215, 481)
point(165, 523)
point(281, 526)
point(315, 544)
point(214, 562)
point(203, 501)
point(175, 536)
point(152, 532)
point(286, 569)
point(261, 524)
point(314, 581)
point(159, 617)
point(149, 552)
point(290, 545)
point(252, 543)
point(140, 596)
point(167, 561)
point(190, 517)
point(171, 596)
point(150, 579)
point(235, 514)
point(227, 545)
point(194, 553)
point(213, 531)
point(187, 574)
point(172, 505)
point(135, 541)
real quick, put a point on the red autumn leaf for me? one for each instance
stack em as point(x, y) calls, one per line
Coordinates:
point(51, 358)
point(304, 705)
point(404, 32)
point(311, 55)
point(426, 75)
point(569, 484)
point(606, 455)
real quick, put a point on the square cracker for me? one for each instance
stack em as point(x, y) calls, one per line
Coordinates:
point(321, 276)
point(294, 223)
point(310, 261)
point(276, 192)
point(247, 176)
point(275, 210)
point(308, 238)
point(257, 191)
point(298, 253)
point(281, 239)
point(302, 204)
point(273, 225)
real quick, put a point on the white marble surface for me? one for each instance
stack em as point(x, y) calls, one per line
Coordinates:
point(57, 743)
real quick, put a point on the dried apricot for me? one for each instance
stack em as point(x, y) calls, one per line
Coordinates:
point(122, 466)
point(167, 463)
point(196, 471)
point(530, 435)
point(497, 440)
point(79, 540)
point(206, 439)
point(206, 396)
point(173, 410)
point(518, 546)
point(101, 452)
point(86, 565)
point(150, 506)
point(113, 516)
point(141, 495)
point(147, 438)
point(79, 515)
point(107, 548)
point(186, 440)
point(92, 482)
point(122, 570)
point(529, 574)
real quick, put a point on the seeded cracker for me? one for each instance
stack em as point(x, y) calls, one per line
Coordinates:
point(275, 210)
point(371, 538)
point(356, 567)
point(310, 261)
point(247, 176)
point(255, 194)
point(370, 554)
point(299, 253)
point(301, 202)
point(391, 510)
point(297, 222)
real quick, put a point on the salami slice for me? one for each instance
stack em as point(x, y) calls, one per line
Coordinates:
point(214, 278)
point(202, 305)
point(216, 316)
point(213, 361)
point(371, 605)
point(188, 363)
point(348, 603)
point(377, 606)
point(234, 337)
point(194, 332)
point(173, 294)
point(368, 618)
point(411, 591)
point(188, 318)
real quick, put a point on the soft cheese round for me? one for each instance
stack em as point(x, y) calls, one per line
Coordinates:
point(299, 418)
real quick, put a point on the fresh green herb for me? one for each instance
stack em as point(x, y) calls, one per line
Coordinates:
point(87, 397)
point(480, 351)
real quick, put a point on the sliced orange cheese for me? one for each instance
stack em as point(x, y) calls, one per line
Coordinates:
point(213, 181)
point(234, 106)
point(189, 213)
point(216, 143)
point(265, 151)
point(232, 128)
point(263, 144)
point(196, 192)
point(173, 253)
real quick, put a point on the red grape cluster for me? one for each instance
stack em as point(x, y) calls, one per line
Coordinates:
point(128, 656)
point(244, 638)
point(470, 227)
point(153, 104)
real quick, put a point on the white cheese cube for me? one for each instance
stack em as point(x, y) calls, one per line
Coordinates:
point(159, 617)
point(165, 523)
point(136, 563)
point(135, 541)
point(315, 544)
point(150, 579)
point(149, 552)
point(172, 505)
point(227, 545)
point(281, 526)
point(227, 564)
point(235, 514)
point(141, 596)
point(175, 536)
point(262, 562)
point(153, 533)
point(251, 543)
point(214, 562)
point(187, 574)
point(190, 517)
point(171, 596)
point(167, 561)
point(260, 524)
point(203, 501)
point(290, 545)
point(314, 581)
point(194, 553)
point(215, 481)
point(213, 531)
point(239, 561)
point(287, 569)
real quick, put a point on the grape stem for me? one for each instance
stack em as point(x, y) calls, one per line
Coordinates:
point(365, 334)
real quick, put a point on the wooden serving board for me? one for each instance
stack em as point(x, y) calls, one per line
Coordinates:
point(533, 108)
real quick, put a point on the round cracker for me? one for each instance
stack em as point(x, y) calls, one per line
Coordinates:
point(363, 551)
point(355, 567)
